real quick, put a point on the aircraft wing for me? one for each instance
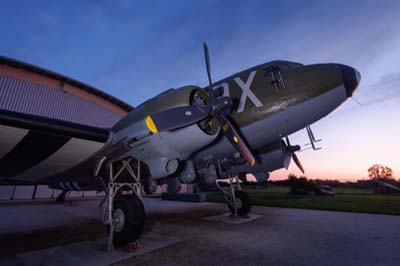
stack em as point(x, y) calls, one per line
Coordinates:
point(38, 150)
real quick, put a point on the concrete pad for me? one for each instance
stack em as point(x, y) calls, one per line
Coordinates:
point(228, 218)
point(282, 236)
point(91, 253)
point(14, 216)
point(11, 262)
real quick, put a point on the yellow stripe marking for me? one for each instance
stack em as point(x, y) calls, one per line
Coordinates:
point(150, 124)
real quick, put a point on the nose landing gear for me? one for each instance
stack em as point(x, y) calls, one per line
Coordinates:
point(238, 201)
point(243, 204)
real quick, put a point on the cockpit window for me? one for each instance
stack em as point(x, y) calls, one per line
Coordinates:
point(283, 66)
point(272, 70)
point(274, 75)
point(293, 65)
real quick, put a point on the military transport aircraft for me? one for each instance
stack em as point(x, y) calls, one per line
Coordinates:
point(188, 135)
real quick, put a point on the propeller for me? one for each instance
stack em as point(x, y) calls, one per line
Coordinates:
point(175, 118)
point(234, 138)
point(211, 96)
point(292, 150)
point(227, 128)
point(179, 117)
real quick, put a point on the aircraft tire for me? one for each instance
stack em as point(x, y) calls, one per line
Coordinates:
point(61, 198)
point(244, 203)
point(130, 210)
point(242, 177)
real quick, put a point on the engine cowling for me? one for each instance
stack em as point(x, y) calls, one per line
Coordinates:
point(163, 151)
point(272, 157)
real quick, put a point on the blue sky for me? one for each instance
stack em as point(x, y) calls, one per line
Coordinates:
point(135, 50)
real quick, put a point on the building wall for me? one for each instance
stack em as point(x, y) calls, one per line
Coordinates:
point(42, 192)
point(44, 81)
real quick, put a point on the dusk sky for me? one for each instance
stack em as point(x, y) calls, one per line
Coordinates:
point(135, 50)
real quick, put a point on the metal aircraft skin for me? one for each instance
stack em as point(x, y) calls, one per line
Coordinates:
point(185, 135)
point(264, 110)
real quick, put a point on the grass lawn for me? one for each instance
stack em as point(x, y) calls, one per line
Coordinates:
point(352, 200)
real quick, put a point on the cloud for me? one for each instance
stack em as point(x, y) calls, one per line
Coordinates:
point(387, 89)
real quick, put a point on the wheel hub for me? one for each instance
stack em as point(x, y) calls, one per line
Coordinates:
point(239, 203)
point(119, 220)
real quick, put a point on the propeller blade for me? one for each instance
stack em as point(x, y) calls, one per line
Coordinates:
point(287, 141)
point(297, 162)
point(208, 66)
point(221, 106)
point(175, 118)
point(235, 139)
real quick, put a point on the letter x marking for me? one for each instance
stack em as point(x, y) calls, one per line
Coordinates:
point(246, 92)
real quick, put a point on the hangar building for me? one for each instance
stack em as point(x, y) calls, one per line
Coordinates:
point(36, 91)
point(28, 89)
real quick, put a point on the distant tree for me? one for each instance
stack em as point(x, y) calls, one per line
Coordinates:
point(293, 182)
point(380, 171)
point(301, 185)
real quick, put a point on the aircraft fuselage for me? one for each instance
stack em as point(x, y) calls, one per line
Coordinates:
point(272, 101)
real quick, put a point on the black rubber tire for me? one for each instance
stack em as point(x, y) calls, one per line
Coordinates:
point(135, 216)
point(246, 204)
point(61, 198)
point(242, 177)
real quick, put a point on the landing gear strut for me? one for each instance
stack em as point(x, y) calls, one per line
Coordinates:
point(238, 200)
point(123, 211)
point(61, 198)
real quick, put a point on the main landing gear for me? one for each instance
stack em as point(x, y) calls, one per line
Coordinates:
point(61, 198)
point(238, 200)
point(123, 212)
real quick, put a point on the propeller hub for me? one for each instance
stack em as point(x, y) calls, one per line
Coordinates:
point(222, 105)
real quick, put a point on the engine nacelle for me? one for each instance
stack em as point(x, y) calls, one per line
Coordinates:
point(162, 151)
point(208, 174)
point(271, 157)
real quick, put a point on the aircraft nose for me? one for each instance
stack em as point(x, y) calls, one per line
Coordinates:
point(351, 79)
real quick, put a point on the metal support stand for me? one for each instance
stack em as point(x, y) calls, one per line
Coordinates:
point(113, 188)
point(34, 192)
point(13, 193)
point(229, 193)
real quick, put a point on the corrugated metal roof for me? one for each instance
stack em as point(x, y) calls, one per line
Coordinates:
point(33, 99)
point(47, 73)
